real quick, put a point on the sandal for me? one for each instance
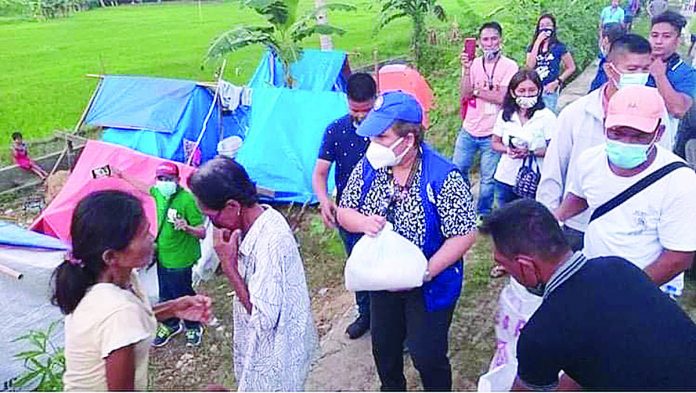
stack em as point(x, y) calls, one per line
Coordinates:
point(498, 271)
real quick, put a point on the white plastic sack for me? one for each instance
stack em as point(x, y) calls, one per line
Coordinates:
point(205, 269)
point(385, 262)
point(515, 307)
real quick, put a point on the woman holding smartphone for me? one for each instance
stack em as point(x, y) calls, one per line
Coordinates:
point(547, 55)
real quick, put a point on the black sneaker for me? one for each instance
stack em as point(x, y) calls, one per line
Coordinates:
point(194, 336)
point(165, 333)
point(358, 328)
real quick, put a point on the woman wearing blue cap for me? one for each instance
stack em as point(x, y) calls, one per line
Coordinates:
point(404, 181)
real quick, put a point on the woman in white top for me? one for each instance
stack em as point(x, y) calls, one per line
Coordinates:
point(109, 322)
point(522, 131)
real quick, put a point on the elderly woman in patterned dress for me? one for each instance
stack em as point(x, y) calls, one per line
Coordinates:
point(274, 334)
point(403, 181)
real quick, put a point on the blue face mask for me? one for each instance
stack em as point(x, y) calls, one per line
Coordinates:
point(166, 188)
point(627, 155)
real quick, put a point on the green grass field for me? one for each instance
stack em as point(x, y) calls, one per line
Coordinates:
point(43, 64)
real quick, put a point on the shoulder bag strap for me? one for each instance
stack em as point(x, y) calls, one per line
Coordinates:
point(635, 189)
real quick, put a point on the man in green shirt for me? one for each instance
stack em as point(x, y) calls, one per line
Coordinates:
point(180, 226)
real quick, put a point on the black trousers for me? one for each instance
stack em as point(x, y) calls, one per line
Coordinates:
point(401, 316)
point(173, 284)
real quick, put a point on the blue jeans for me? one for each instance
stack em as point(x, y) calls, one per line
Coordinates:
point(504, 194)
point(551, 101)
point(362, 298)
point(464, 151)
point(173, 284)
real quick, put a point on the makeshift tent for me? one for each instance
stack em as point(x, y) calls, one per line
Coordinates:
point(26, 302)
point(316, 71)
point(55, 219)
point(402, 77)
point(161, 117)
point(282, 144)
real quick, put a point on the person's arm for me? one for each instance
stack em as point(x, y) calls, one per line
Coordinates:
point(495, 96)
point(319, 180)
point(571, 206)
point(195, 231)
point(568, 67)
point(120, 369)
point(466, 89)
point(137, 184)
point(553, 173)
point(355, 222)
point(677, 103)
point(226, 246)
point(450, 252)
point(669, 265)
point(531, 60)
point(497, 144)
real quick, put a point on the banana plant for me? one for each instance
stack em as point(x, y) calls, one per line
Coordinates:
point(417, 11)
point(283, 33)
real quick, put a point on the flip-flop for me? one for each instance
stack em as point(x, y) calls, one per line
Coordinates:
point(498, 271)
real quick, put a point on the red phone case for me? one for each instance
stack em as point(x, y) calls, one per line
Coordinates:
point(470, 48)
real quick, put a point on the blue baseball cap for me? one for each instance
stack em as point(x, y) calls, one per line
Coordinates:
point(390, 107)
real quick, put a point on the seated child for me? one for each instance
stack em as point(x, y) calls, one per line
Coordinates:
point(20, 154)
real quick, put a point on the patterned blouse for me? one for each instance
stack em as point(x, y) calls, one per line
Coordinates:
point(454, 204)
point(275, 345)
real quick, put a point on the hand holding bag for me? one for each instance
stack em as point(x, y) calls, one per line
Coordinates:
point(386, 262)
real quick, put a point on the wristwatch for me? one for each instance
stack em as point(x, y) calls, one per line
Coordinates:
point(476, 92)
point(426, 276)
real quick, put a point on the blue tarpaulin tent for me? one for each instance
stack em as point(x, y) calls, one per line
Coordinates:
point(316, 71)
point(282, 144)
point(16, 236)
point(159, 117)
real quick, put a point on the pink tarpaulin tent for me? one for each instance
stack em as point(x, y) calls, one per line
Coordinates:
point(55, 219)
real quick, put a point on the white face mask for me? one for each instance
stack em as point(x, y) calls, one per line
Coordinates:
point(382, 156)
point(526, 102)
point(637, 79)
point(166, 188)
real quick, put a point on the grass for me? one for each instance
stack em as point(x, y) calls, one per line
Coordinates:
point(44, 63)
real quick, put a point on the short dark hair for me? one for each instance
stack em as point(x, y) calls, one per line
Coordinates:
point(220, 180)
point(631, 43)
point(103, 220)
point(510, 103)
point(526, 227)
point(402, 128)
point(675, 19)
point(612, 31)
point(361, 87)
point(492, 25)
point(16, 135)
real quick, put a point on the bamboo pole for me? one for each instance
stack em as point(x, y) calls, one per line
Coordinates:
point(11, 272)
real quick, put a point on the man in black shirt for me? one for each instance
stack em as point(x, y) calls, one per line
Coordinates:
point(342, 146)
point(602, 322)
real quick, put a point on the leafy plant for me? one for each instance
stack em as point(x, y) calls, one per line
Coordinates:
point(45, 363)
point(417, 11)
point(283, 34)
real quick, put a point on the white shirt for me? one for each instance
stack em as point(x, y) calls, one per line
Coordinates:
point(533, 135)
point(274, 346)
point(659, 217)
point(106, 319)
point(580, 126)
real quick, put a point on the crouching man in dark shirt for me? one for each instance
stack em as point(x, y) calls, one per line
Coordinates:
point(602, 323)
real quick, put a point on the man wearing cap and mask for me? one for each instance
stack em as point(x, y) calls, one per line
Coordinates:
point(343, 147)
point(653, 225)
point(404, 181)
point(179, 228)
point(580, 127)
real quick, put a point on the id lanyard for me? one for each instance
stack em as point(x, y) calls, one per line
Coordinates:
point(492, 74)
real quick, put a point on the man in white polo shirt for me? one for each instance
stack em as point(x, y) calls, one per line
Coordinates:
point(652, 226)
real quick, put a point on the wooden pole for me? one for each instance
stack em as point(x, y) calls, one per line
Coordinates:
point(375, 59)
point(11, 272)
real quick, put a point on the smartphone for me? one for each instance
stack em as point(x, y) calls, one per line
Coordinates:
point(104, 171)
point(470, 48)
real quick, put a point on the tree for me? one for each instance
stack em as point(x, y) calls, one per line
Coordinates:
point(282, 35)
point(417, 11)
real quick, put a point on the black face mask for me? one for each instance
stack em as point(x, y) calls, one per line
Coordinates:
point(537, 290)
